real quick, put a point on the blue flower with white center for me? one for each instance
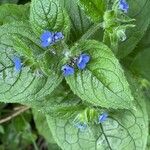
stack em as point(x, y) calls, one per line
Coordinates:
point(81, 126)
point(47, 39)
point(82, 61)
point(17, 63)
point(123, 5)
point(67, 70)
point(58, 36)
point(103, 117)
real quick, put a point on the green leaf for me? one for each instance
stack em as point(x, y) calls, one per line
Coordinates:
point(13, 12)
point(140, 63)
point(80, 23)
point(139, 11)
point(42, 126)
point(94, 8)
point(103, 83)
point(60, 103)
point(144, 43)
point(26, 85)
point(48, 15)
point(124, 129)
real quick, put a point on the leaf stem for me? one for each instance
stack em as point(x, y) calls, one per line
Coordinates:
point(91, 31)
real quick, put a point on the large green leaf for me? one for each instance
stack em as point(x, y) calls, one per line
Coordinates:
point(139, 10)
point(94, 8)
point(48, 15)
point(123, 130)
point(26, 85)
point(60, 103)
point(139, 60)
point(79, 22)
point(13, 12)
point(103, 83)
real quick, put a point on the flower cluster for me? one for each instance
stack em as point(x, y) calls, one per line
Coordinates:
point(49, 38)
point(81, 63)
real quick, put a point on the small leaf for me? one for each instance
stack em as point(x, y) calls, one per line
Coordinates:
point(125, 129)
point(48, 15)
point(103, 83)
point(94, 8)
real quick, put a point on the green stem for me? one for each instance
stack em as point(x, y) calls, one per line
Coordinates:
point(91, 31)
point(87, 35)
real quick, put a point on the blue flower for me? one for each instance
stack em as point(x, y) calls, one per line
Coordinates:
point(17, 63)
point(67, 70)
point(123, 5)
point(82, 61)
point(103, 117)
point(81, 126)
point(47, 39)
point(58, 36)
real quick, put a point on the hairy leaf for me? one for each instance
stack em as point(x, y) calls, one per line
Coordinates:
point(138, 10)
point(94, 8)
point(26, 85)
point(13, 12)
point(48, 15)
point(60, 103)
point(79, 22)
point(103, 82)
point(126, 129)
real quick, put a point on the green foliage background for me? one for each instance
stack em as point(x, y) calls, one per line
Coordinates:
point(54, 101)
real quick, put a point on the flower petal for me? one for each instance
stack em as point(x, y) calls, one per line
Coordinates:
point(17, 63)
point(123, 5)
point(103, 117)
point(58, 36)
point(81, 65)
point(82, 61)
point(67, 70)
point(46, 35)
point(47, 38)
point(86, 58)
